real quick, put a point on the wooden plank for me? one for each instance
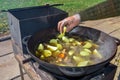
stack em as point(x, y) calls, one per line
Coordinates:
point(28, 69)
point(116, 33)
point(106, 25)
point(33, 73)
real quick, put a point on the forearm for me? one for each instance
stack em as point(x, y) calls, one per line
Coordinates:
point(77, 17)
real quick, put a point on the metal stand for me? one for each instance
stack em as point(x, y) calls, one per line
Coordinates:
point(21, 72)
point(28, 69)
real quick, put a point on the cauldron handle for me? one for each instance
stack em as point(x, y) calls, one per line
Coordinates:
point(25, 39)
point(73, 73)
point(117, 41)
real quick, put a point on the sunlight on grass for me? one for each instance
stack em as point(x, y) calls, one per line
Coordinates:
point(69, 5)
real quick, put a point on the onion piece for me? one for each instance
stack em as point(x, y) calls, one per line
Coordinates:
point(97, 54)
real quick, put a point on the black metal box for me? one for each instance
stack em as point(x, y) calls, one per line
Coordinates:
point(27, 21)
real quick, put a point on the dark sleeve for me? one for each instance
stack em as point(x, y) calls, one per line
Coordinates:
point(83, 17)
point(103, 10)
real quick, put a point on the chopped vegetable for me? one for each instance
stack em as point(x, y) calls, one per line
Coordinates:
point(97, 54)
point(52, 48)
point(53, 41)
point(95, 45)
point(40, 47)
point(56, 53)
point(81, 64)
point(84, 53)
point(87, 45)
point(59, 46)
point(88, 50)
point(42, 57)
point(76, 58)
point(47, 53)
point(61, 55)
point(37, 53)
point(71, 39)
point(65, 39)
point(77, 42)
point(62, 34)
point(71, 52)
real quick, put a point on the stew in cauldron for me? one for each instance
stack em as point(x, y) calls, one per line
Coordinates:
point(69, 51)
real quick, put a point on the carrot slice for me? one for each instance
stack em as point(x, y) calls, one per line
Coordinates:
point(61, 55)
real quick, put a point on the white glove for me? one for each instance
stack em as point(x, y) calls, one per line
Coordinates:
point(69, 22)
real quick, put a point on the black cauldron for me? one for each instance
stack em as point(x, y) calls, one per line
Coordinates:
point(108, 48)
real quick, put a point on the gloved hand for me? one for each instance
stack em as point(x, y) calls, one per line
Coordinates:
point(69, 22)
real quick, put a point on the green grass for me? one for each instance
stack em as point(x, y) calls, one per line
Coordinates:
point(70, 6)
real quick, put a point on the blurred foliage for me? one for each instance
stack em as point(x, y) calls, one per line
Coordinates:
point(3, 23)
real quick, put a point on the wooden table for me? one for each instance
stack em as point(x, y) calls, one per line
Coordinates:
point(110, 26)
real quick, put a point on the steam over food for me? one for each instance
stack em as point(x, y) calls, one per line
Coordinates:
point(69, 51)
